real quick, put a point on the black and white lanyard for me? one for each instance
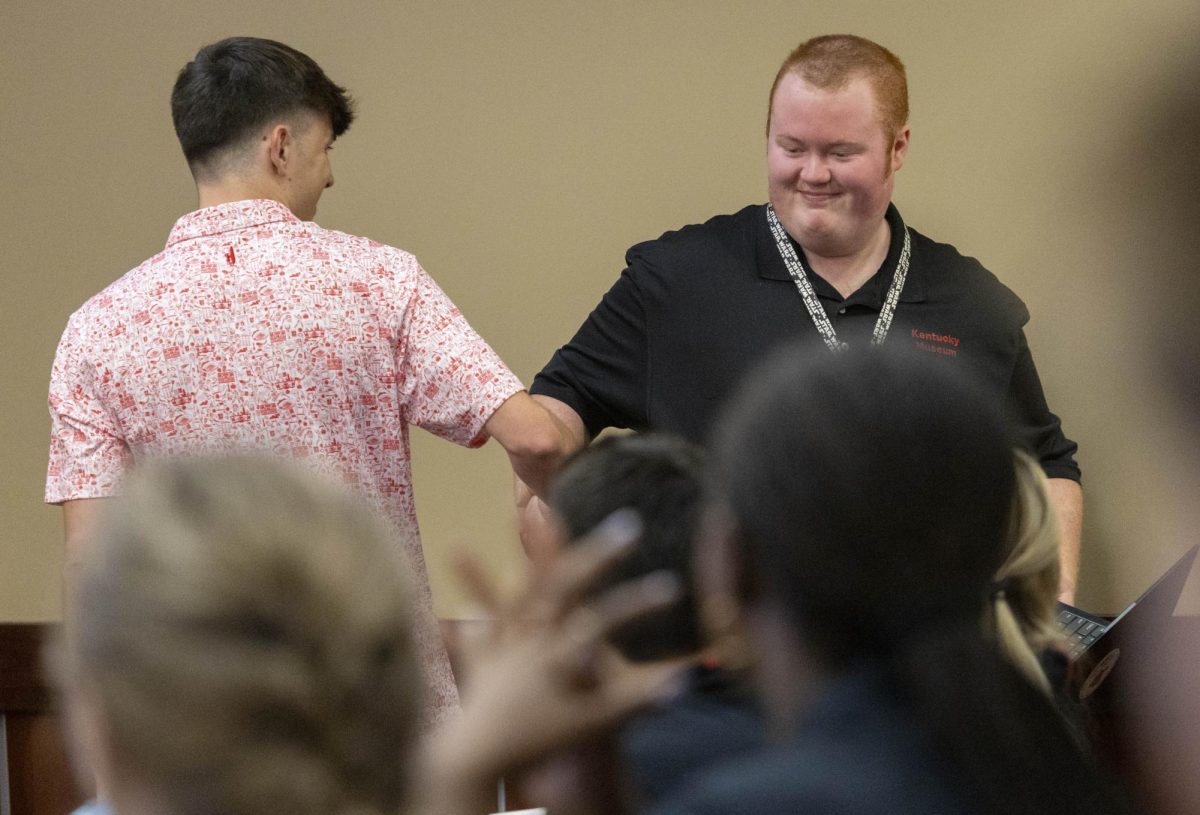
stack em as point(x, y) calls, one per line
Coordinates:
point(815, 310)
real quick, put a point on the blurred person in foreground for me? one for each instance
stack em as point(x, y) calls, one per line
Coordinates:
point(714, 716)
point(827, 261)
point(255, 329)
point(855, 529)
point(1156, 243)
point(243, 644)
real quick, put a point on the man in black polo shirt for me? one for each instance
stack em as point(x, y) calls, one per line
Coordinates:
point(828, 260)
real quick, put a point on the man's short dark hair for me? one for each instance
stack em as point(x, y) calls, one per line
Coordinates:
point(661, 477)
point(239, 84)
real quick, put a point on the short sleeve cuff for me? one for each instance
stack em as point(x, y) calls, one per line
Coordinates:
point(501, 390)
point(594, 420)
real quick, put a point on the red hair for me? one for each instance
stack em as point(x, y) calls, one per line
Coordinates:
point(832, 61)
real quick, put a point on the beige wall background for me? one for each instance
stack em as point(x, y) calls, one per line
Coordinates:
point(518, 148)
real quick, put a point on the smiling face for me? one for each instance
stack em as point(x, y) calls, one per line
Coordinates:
point(831, 165)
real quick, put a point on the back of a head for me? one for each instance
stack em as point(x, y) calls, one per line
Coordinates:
point(244, 628)
point(871, 494)
point(831, 61)
point(661, 478)
point(864, 484)
point(237, 85)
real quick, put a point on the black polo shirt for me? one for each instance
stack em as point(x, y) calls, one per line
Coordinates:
point(694, 310)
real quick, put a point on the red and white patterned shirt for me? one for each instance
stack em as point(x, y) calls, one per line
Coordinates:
point(256, 331)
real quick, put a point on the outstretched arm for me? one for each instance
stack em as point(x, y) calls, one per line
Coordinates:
point(1067, 497)
point(80, 518)
point(533, 517)
point(535, 439)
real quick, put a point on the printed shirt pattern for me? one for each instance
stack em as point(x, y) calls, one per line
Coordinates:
point(254, 330)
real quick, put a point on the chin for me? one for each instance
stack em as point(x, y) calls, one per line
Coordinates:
point(805, 224)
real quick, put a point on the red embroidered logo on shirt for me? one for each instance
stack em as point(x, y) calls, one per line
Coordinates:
point(935, 343)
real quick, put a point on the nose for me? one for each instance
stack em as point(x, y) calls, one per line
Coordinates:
point(815, 169)
point(329, 183)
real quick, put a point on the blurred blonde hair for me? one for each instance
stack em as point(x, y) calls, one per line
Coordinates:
point(244, 629)
point(1023, 603)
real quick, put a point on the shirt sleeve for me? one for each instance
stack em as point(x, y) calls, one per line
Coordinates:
point(602, 373)
point(453, 380)
point(1040, 430)
point(88, 454)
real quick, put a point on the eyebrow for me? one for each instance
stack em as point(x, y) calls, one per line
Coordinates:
point(850, 146)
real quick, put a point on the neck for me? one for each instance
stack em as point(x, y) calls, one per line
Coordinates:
point(788, 674)
point(848, 272)
point(229, 189)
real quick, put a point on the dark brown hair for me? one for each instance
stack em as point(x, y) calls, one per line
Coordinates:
point(239, 84)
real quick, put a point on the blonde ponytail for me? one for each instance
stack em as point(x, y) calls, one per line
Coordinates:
point(1022, 608)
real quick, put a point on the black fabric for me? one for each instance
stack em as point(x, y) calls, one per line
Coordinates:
point(856, 753)
point(1064, 687)
point(695, 309)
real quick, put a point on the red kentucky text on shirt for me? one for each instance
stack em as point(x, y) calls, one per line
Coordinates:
point(935, 343)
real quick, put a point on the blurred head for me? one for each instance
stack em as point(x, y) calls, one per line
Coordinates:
point(1159, 232)
point(661, 478)
point(1023, 603)
point(836, 134)
point(1159, 244)
point(861, 504)
point(242, 644)
point(866, 497)
point(243, 93)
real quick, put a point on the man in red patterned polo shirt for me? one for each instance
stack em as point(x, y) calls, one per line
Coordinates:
point(256, 329)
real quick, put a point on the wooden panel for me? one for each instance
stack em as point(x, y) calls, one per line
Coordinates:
point(40, 778)
point(23, 686)
point(39, 775)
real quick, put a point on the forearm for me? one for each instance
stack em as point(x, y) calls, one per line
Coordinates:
point(1067, 497)
point(80, 518)
point(568, 423)
point(533, 517)
point(535, 438)
point(536, 526)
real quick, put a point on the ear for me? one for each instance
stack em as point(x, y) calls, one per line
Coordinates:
point(900, 148)
point(280, 144)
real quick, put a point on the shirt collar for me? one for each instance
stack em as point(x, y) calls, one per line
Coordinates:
point(229, 218)
point(770, 265)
